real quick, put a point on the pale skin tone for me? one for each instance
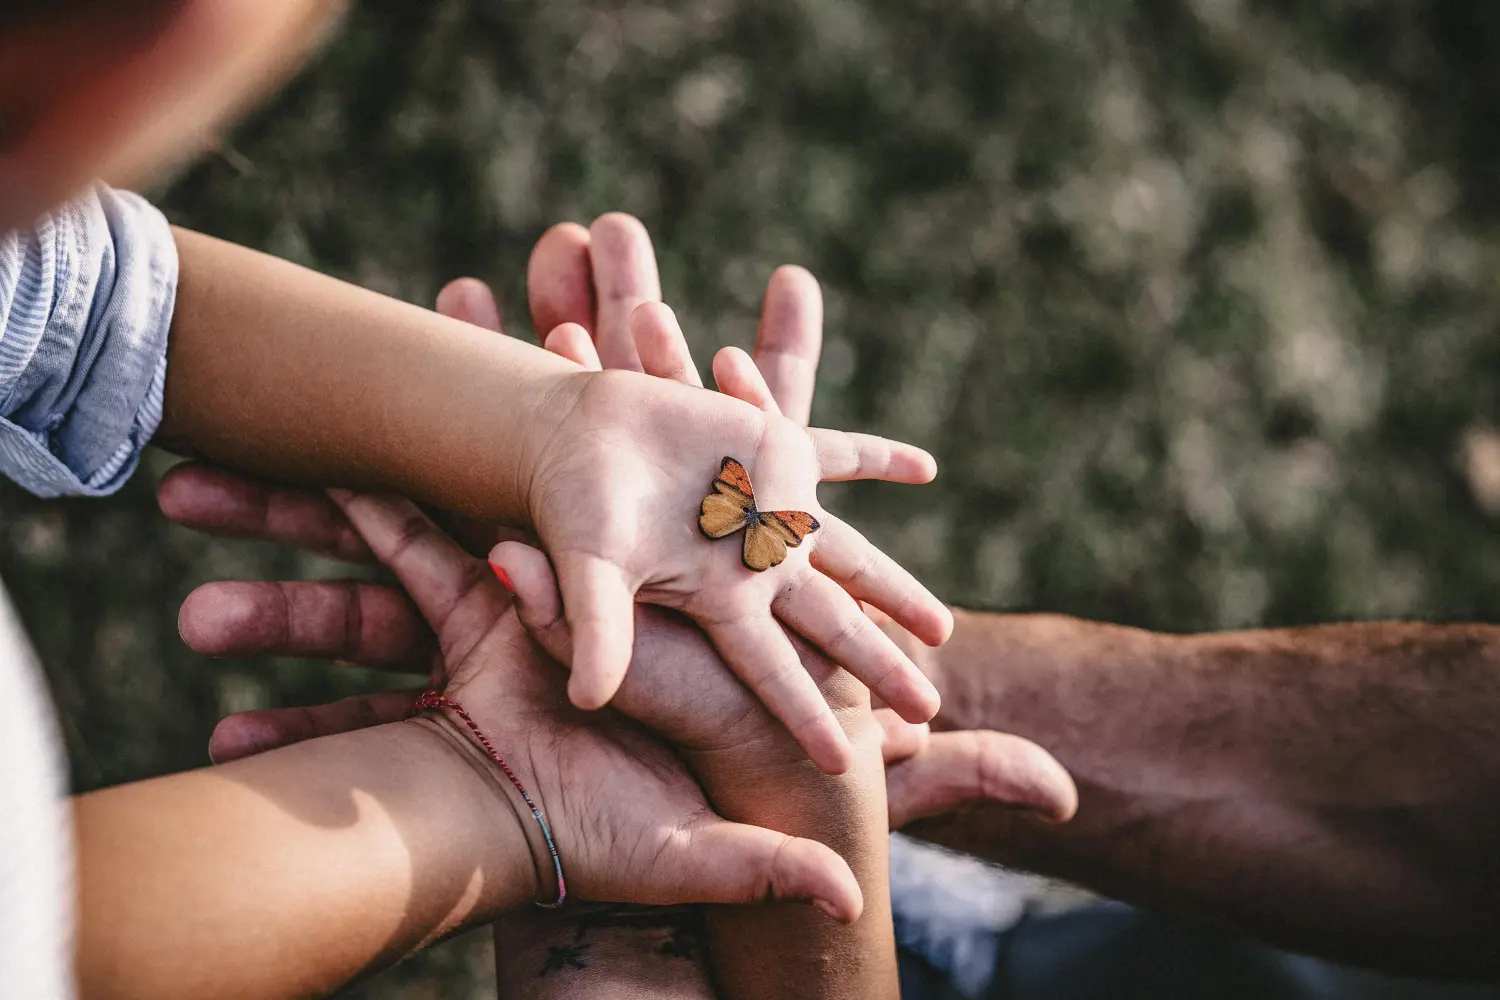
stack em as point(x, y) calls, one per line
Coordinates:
point(277, 370)
point(751, 770)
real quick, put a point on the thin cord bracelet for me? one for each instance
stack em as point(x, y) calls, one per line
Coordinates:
point(433, 700)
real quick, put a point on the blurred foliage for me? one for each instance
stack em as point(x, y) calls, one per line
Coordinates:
point(1195, 300)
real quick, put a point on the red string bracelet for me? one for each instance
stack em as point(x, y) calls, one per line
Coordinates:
point(432, 700)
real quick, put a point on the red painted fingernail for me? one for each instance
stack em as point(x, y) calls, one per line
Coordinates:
point(504, 577)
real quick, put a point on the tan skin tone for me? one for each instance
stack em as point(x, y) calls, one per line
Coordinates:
point(752, 770)
point(1334, 790)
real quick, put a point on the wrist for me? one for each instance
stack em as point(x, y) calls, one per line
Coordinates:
point(550, 400)
point(496, 817)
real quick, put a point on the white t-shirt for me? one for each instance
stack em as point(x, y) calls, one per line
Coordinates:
point(36, 842)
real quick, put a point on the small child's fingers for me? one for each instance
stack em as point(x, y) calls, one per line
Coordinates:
point(724, 862)
point(599, 604)
point(843, 456)
point(624, 276)
point(573, 342)
point(736, 375)
point(660, 343)
point(759, 652)
point(868, 574)
point(821, 612)
point(470, 300)
point(527, 574)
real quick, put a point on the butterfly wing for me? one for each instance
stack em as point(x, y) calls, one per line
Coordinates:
point(733, 480)
point(791, 526)
point(730, 506)
point(763, 547)
point(722, 515)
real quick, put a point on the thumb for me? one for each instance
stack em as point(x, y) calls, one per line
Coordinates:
point(599, 604)
point(979, 766)
point(527, 574)
point(726, 862)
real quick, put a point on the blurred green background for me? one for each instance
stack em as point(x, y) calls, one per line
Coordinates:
point(1195, 300)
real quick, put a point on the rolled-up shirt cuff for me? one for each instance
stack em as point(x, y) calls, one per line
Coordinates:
point(86, 302)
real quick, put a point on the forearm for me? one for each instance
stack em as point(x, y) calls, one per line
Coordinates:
point(1333, 789)
point(788, 950)
point(295, 870)
point(602, 951)
point(281, 371)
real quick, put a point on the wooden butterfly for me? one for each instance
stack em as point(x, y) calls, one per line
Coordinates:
point(767, 532)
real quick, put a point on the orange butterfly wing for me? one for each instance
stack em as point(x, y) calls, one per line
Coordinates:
point(772, 531)
point(791, 525)
point(767, 533)
point(733, 475)
point(730, 506)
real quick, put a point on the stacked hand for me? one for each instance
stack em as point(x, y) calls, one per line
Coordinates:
point(377, 626)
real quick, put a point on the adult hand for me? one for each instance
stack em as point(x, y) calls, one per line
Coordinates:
point(629, 821)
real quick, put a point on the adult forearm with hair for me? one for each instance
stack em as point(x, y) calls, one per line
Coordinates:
point(1331, 789)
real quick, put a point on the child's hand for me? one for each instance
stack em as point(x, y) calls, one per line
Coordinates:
point(615, 496)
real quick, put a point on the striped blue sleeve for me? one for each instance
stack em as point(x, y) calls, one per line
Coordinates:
point(86, 298)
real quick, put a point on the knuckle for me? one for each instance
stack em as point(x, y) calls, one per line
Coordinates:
point(414, 528)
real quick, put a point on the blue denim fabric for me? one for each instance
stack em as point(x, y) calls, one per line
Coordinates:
point(86, 299)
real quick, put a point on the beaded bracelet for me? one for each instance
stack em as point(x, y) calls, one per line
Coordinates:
point(433, 700)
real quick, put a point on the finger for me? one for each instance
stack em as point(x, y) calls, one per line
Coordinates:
point(868, 574)
point(843, 456)
point(979, 766)
point(761, 655)
point(624, 267)
point(470, 301)
point(733, 863)
point(825, 615)
point(527, 573)
point(573, 342)
point(361, 623)
point(246, 734)
point(599, 605)
point(560, 279)
point(229, 505)
point(736, 375)
point(659, 342)
point(457, 594)
point(900, 739)
point(790, 339)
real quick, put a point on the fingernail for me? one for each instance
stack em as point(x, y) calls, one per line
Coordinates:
point(826, 907)
point(339, 495)
point(504, 576)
